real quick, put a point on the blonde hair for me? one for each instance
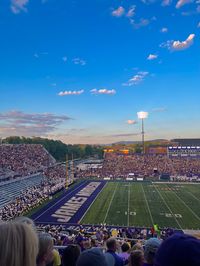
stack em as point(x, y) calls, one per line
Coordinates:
point(18, 244)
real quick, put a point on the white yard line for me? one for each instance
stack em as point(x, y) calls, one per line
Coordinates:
point(147, 205)
point(186, 205)
point(93, 201)
point(128, 204)
point(193, 195)
point(59, 201)
point(167, 206)
point(110, 203)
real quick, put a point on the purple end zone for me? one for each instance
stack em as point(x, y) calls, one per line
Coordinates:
point(45, 214)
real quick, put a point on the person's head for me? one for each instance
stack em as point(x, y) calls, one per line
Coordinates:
point(111, 244)
point(136, 258)
point(137, 246)
point(45, 254)
point(18, 244)
point(70, 255)
point(25, 220)
point(125, 247)
point(150, 249)
point(178, 250)
point(92, 257)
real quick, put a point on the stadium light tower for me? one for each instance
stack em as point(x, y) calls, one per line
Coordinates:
point(142, 115)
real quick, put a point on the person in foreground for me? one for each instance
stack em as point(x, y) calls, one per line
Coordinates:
point(18, 245)
point(179, 250)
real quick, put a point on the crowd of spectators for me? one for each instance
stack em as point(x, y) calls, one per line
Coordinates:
point(22, 244)
point(118, 165)
point(32, 197)
point(23, 159)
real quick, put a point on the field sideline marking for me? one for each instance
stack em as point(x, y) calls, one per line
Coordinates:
point(168, 207)
point(128, 204)
point(60, 200)
point(186, 205)
point(110, 203)
point(147, 205)
point(93, 201)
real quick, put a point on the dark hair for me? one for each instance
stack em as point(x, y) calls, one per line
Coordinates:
point(136, 258)
point(125, 247)
point(111, 243)
point(70, 255)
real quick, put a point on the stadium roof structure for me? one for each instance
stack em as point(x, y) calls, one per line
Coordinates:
point(187, 142)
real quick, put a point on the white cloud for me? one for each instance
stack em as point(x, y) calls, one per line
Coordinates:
point(103, 91)
point(166, 2)
point(131, 122)
point(19, 5)
point(65, 93)
point(178, 45)
point(64, 58)
point(152, 57)
point(118, 12)
point(131, 12)
point(181, 3)
point(79, 61)
point(136, 79)
point(142, 23)
point(164, 30)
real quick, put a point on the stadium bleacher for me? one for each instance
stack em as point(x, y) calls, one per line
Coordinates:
point(12, 190)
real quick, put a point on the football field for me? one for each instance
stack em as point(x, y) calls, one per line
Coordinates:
point(144, 204)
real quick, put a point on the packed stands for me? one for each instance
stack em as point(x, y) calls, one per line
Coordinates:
point(29, 176)
point(150, 166)
point(23, 159)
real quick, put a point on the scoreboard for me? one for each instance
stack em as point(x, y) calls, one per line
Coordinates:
point(184, 151)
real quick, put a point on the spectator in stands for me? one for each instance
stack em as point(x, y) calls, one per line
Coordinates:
point(136, 258)
point(92, 257)
point(81, 242)
point(45, 254)
point(18, 245)
point(125, 251)
point(150, 249)
point(179, 250)
point(111, 257)
point(70, 255)
point(56, 259)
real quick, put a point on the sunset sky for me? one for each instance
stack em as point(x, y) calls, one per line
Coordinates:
point(79, 71)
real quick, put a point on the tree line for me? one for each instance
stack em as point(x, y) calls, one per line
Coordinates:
point(58, 149)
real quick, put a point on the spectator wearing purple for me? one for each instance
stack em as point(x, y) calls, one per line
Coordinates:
point(125, 252)
point(111, 257)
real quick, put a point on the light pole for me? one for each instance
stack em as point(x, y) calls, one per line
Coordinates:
point(142, 115)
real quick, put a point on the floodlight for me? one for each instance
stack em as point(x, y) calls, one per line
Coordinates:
point(142, 114)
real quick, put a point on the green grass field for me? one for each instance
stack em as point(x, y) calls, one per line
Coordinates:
point(143, 204)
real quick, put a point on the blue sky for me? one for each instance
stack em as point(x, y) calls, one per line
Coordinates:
point(80, 71)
